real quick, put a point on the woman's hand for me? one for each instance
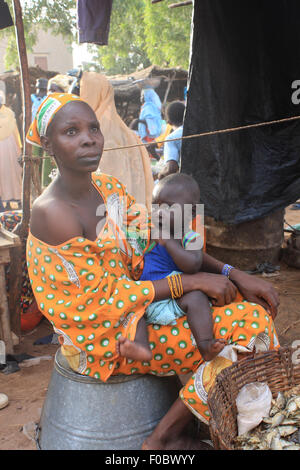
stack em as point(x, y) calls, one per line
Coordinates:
point(217, 287)
point(256, 290)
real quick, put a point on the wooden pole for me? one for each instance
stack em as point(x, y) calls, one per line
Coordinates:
point(170, 81)
point(4, 314)
point(15, 284)
point(26, 98)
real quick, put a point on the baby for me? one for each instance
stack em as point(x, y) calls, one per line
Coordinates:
point(166, 256)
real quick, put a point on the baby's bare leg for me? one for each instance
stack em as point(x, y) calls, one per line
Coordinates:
point(196, 306)
point(139, 349)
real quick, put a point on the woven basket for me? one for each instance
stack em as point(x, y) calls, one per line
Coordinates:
point(276, 368)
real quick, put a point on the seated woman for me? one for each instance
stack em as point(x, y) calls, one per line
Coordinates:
point(85, 252)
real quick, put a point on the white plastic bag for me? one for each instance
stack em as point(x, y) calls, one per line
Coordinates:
point(253, 404)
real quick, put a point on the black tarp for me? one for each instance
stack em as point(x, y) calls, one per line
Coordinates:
point(245, 57)
point(5, 16)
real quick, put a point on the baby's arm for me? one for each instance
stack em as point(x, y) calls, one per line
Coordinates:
point(188, 261)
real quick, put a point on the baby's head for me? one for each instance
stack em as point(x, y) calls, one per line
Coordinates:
point(178, 188)
point(179, 192)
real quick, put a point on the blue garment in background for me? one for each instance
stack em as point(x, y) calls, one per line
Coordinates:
point(172, 149)
point(36, 101)
point(185, 93)
point(151, 113)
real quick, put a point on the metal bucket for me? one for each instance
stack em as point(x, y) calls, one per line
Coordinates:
point(248, 244)
point(83, 413)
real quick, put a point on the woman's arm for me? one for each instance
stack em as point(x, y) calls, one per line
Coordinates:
point(256, 290)
point(252, 288)
point(219, 289)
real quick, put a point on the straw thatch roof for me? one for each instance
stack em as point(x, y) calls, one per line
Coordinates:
point(169, 83)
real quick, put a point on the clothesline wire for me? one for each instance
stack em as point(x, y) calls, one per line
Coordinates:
point(202, 134)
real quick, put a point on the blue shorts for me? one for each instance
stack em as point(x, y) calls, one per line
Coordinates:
point(164, 312)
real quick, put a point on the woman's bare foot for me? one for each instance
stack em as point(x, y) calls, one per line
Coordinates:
point(132, 350)
point(209, 349)
point(173, 431)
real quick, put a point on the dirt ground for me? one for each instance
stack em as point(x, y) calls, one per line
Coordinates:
point(27, 388)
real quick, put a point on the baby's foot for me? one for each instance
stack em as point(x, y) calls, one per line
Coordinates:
point(211, 348)
point(132, 350)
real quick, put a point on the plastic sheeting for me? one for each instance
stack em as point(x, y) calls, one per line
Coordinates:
point(5, 16)
point(245, 58)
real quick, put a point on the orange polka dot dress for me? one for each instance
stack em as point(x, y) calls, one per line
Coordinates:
point(90, 292)
point(86, 289)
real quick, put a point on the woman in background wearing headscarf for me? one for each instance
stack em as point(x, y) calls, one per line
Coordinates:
point(59, 84)
point(10, 151)
point(132, 165)
point(150, 120)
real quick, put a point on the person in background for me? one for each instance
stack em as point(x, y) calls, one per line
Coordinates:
point(151, 148)
point(185, 94)
point(172, 148)
point(59, 84)
point(10, 152)
point(150, 120)
point(37, 98)
point(167, 129)
point(39, 95)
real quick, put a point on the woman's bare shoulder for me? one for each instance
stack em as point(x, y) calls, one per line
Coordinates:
point(53, 221)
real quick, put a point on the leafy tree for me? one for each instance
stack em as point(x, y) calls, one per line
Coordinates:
point(126, 49)
point(142, 33)
point(168, 34)
point(60, 17)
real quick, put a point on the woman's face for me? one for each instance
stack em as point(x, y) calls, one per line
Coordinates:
point(74, 138)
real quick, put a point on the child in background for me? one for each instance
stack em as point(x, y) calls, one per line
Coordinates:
point(172, 148)
point(168, 256)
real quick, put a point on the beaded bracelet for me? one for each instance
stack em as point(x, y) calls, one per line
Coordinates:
point(226, 270)
point(175, 285)
point(170, 286)
point(176, 278)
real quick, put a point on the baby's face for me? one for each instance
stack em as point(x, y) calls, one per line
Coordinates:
point(173, 210)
